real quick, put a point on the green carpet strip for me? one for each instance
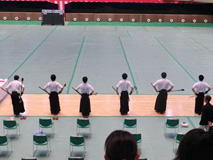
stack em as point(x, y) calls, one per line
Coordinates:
point(20, 22)
point(190, 121)
point(151, 24)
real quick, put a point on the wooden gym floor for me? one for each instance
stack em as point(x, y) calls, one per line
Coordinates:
point(103, 105)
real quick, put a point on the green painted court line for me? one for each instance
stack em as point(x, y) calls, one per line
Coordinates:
point(5, 38)
point(32, 52)
point(12, 34)
point(10, 22)
point(178, 29)
point(85, 28)
point(128, 33)
point(128, 64)
point(145, 29)
point(151, 24)
point(190, 121)
point(202, 45)
point(76, 63)
point(116, 28)
point(175, 59)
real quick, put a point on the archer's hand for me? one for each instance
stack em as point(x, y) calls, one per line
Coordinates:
point(169, 90)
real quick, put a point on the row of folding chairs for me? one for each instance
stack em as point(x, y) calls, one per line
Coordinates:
point(47, 123)
point(128, 123)
point(75, 140)
point(78, 140)
point(41, 139)
point(4, 140)
point(173, 123)
point(70, 158)
point(82, 123)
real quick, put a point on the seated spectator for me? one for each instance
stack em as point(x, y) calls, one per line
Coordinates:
point(121, 145)
point(196, 145)
point(207, 114)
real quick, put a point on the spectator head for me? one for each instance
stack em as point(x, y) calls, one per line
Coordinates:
point(163, 74)
point(53, 77)
point(201, 77)
point(16, 77)
point(121, 145)
point(124, 76)
point(85, 79)
point(196, 145)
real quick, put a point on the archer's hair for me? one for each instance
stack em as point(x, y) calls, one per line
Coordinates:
point(16, 77)
point(163, 74)
point(196, 145)
point(53, 77)
point(121, 145)
point(124, 76)
point(201, 77)
point(84, 79)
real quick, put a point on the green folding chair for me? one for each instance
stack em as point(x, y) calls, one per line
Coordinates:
point(40, 140)
point(46, 123)
point(75, 158)
point(11, 125)
point(29, 158)
point(83, 123)
point(172, 124)
point(176, 140)
point(138, 139)
point(4, 141)
point(77, 141)
point(130, 123)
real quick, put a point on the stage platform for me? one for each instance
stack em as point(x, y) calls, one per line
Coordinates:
point(103, 105)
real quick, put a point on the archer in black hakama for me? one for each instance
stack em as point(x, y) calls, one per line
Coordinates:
point(160, 104)
point(54, 103)
point(199, 100)
point(200, 88)
point(85, 104)
point(18, 104)
point(163, 86)
point(124, 102)
point(124, 85)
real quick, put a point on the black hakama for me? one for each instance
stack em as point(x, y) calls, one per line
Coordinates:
point(18, 104)
point(199, 103)
point(124, 102)
point(85, 104)
point(54, 103)
point(160, 104)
